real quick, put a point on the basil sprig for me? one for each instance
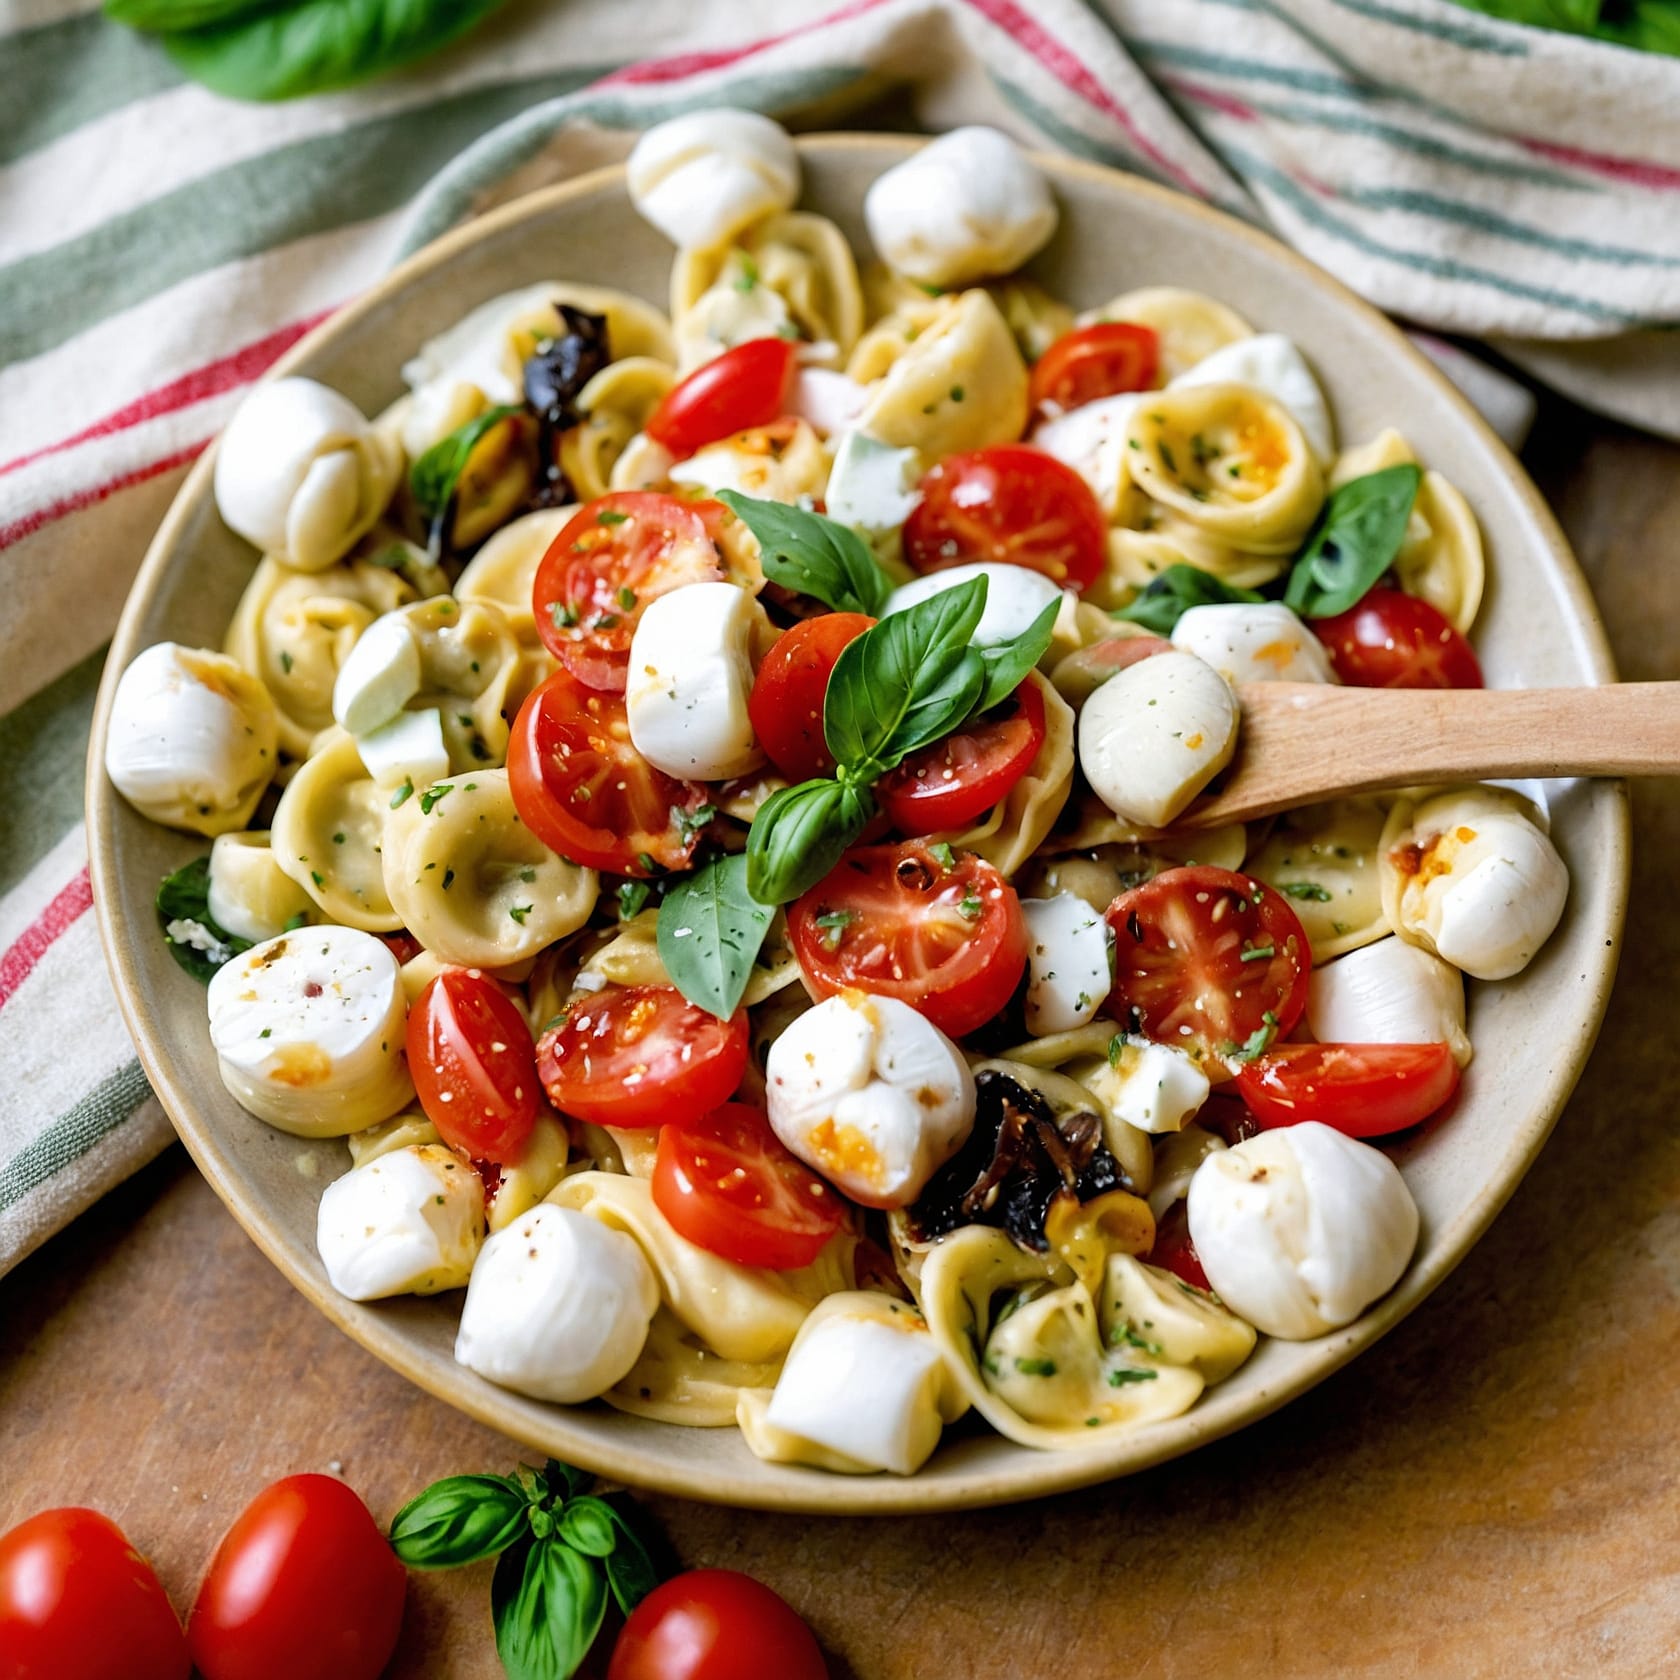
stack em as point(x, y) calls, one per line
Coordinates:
point(1356, 540)
point(560, 1551)
point(710, 929)
point(1171, 594)
point(812, 555)
point(800, 834)
point(183, 902)
point(433, 478)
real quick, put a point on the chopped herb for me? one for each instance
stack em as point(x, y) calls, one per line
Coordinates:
point(632, 898)
point(564, 614)
point(626, 597)
point(1257, 953)
point(1119, 1378)
point(646, 860)
point(748, 277)
point(957, 393)
point(267, 1032)
point(606, 621)
point(286, 663)
point(338, 839)
point(1166, 455)
point(947, 859)
point(432, 795)
point(520, 911)
point(1116, 1048)
point(1036, 1367)
point(317, 877)
point(448, 878)
point(610, 516)
point(1257, 1043)
point(970, 907)
point(690, 823)
point(834, 923)
point(1123, 1335)
point(1306, 889)
point(527, 875)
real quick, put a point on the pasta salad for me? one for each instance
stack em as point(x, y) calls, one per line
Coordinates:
point(704, 805)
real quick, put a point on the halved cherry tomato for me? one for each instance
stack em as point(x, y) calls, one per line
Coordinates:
point(786, 703)
point(473, 1065)
point(78, 1602)
point(1174, 1251)
point(640, 1056)
point(716, 1624)
point(610, 559)
point(1009, 503)
point(747, 386)
point(948, 940)
point(725, 1181)
point(1395, 640)
point(581, 787)
point(1364, 1090)
point(1212, 962)
point(402, 945)
point(952, 782)
point(1100, 360)
point(303, 1587)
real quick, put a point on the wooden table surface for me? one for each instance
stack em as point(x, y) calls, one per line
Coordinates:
point(1489, 1492)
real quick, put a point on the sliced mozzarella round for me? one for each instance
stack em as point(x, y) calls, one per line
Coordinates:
point(192, 739)
point(1248, 642)
point(379, 676)
point(309, 1029)
point(702, 177)
point(1092, 440)
point(1155, 1087)
point(558, 1306)
point(1271, 363)
point(250, 894)
point(864, 1380)
point(1391, 992)
point(410, 748)
point(410, 1222)
point(689, 680)
point(1015, 596)
point(1155, 734)
point(1299, 1230)
point(1069, 970)
point(967, 205)
point(872, 486)
point(827, 400)
point(301, 474)
point(1476, 880)
point(871, 1094)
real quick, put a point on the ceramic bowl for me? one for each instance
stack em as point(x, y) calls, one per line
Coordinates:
point(1538, 628)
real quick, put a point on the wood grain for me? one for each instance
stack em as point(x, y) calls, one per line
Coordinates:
point(1493, 1491)
point(1305, 742)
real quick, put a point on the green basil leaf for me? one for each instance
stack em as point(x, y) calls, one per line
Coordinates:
point(310, 46)
point(458, 1521)
point(432, 478)
point(586, 1526)
point(631, 1572)
point(812, 555)
point(156, 16)
point(710, 929)
point(1007, 666)
point(547, 1603)
point(1354, 542)
point(905, 682)
point(1170, 595)
point(799, 834)
point(198, 942)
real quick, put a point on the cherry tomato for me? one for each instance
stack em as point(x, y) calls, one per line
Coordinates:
point(715, 1624)
point(947, 939)
point(1364, 1090)
point(302, 1587)
point(1100, 360)
point(952, 782)
point(1395, 640)
point(402, 945)
point(473, 1066)
point(1174, 1251)
point(726, 1183)
point(581, 787)
point(610, 559)
point(1210, 961)
point(786, 704)
point(1010, 503)
point(78, 1602)
point(747, 386)
point(641, 1056)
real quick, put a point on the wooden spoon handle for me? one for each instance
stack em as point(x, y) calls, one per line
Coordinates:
point(1303, 742)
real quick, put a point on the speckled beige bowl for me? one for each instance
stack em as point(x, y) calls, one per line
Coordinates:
point(1538, 628)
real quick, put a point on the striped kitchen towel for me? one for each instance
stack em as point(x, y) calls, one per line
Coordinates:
point(159, 247)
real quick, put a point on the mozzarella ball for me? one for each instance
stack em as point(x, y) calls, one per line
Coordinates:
point(309, 1028)
point(192, 739)
point(1092, 440)
point(703, 177)
point(1155, 1087)
point(1391, 992)
point(1015, 596)
point(827, 401)
point(690, 677)
point(1299, 1230)
point(1246, 642)
point(410, 1222)
point(968, 205)
point(1476, 881)
point(250, 895)
point(870, 1094)
point(1271, 363)
point(558, 1306)
point(1155, 734)
point(1069, 970)
point(872, 486)
point(301, 474)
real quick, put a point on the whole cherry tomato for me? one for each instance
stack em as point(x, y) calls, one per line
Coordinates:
point(715, 1624)
point(749, 385)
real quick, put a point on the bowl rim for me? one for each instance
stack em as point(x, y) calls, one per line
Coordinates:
point(1031, 1474)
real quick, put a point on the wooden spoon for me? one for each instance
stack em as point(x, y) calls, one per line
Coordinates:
point(1306, 742)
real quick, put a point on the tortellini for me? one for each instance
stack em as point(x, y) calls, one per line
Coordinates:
point(504, 570)
point(1325, 860)
point(1101, 873)
point(469, 661)
point(614, 406)
point(471, 882)
point(782, 462)
point(250, 895)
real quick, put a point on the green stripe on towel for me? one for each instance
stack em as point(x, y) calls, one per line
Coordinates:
point(68, 1138)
